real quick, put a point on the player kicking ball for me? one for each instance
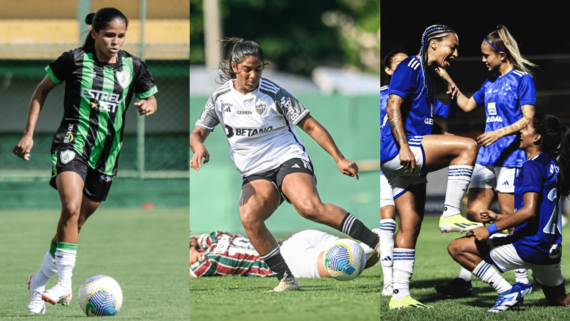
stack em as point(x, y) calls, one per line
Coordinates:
point(537, 239)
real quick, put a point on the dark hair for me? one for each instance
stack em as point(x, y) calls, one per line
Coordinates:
point(390, 57)
point(101, 20)
point(555, 139)
point(435, 32)
point(241, 48)
point(502, 39)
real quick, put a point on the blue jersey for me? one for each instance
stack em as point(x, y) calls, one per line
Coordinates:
point(538, 240)
point(417, 110)
point(503, 98)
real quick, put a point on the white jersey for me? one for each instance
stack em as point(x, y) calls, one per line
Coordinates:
point(260, 126)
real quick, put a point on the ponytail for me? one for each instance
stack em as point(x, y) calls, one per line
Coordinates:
point(502, 40)
point(240, 49)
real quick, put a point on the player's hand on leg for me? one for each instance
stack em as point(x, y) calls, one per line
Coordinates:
point(196, 161)
point(24, 147)
point(407, 158)
point(480, 233)
point(488, 216)
point(348, 167)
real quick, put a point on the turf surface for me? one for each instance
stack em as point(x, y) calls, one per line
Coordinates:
point(240, 298)
point(433, 265)
point(146, 251)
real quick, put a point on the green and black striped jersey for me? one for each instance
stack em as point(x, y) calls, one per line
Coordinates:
point(97, 96)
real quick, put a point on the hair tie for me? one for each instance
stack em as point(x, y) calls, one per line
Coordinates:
point(493, 45)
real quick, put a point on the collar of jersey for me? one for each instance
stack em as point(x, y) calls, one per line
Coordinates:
point(248, 95)
point(109, 66)
point(499, 74)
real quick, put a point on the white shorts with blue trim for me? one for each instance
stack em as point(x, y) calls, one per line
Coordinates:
point(501, 179)
point(506, 258)
point(301, 252)
point(386, 197)
point(401, 178)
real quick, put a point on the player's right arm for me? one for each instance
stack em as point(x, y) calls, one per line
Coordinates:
point(204, 125)
point(466, 104)
point(394, 115)
point(24, 147)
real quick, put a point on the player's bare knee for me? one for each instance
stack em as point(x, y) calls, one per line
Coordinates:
point(472, 215)
point(309, 210)
point(71, 210)
point(454, 248)
point(249, 217)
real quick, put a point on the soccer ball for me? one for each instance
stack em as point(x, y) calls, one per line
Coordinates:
point(100, 295)
point(344, 260)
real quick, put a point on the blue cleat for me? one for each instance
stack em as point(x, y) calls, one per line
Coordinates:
point(507, 300)
point(522, 288)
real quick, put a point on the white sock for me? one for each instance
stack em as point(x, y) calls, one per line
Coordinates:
point(46, 272)
point(387, 228)
point(65, 255)
point(458, 178)
point(487, 274)
point(522, 276)
point(465, 274)
point(403, 270)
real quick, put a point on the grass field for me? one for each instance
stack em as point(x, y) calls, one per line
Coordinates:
point(239, 298)
point(146, 251)
point(433, 265)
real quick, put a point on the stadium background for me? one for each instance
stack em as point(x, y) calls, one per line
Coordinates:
point(341, 35)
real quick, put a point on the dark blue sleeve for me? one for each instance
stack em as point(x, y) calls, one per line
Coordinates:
point(527, 91)
point(479, 95)
point(533, 177)
point(448, 111)
point(404, 81)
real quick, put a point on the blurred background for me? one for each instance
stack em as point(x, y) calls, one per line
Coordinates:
point(327, 54)
point(153, 165)
point(538, 42)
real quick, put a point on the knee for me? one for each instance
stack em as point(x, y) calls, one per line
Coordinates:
point(471, 148)
point(71, 209)
point(472, 215)
point(309, 210)
point(454, 249)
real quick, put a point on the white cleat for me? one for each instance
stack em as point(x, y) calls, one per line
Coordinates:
point(36, 304)
point(287, 283)
point(387, 291)
point(58, 294)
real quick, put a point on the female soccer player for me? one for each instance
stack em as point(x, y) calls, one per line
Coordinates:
point(409, 151)
point(509, 97)
point(100, 81)
point(536, 241)
point(259, 119)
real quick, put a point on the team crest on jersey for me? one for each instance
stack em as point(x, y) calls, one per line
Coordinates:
point(260, 106)
point(124, 78)
point(67, 156)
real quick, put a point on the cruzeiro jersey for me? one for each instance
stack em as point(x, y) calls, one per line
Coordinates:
point(503, 98)
point(539, 240)
point(417, 110)
point(97, 96)
point(228, 254)
point(260, 126)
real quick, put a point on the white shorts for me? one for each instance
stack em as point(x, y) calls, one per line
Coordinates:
point(506, 258)
point(386, 197)
point(394, 168)
point(501, 179)
point(301, 252)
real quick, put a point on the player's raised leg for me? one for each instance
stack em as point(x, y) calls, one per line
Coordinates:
point(301, 190)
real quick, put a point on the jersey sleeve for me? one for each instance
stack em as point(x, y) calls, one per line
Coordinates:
point(479, 95)
point(533, 177)
point(290, 107)
point(61, 68)
point(208, 119)
point(527, 91)
point(204, 267)
point(145, 86)
point(404, 81)
point(445, 111)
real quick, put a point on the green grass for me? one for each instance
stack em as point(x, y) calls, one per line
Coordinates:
point(240, 298)
point(146, 251)
point(433, 266)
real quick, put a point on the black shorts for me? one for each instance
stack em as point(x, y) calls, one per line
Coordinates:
point(97, 185)
point(276, 176)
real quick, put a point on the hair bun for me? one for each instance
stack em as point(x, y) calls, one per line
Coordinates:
point(89, 18)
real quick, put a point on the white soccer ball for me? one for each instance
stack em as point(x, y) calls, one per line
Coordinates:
point(344, 260)
point(100, 296)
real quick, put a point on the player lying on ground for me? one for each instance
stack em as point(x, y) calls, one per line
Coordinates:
point(259, 119)
point(100, 80)
point(223, 253)
point(537, 239)
point(509, 97)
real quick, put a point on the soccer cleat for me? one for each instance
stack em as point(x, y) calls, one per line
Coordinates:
point(58, 294)
point(36, 304)
point(287, 283)
point(522, 288)
point(387, 291)
point(507, 300)
point(457, 223)
point(457, 287)
point(407, 302)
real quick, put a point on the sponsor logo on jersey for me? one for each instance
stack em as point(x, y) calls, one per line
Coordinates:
point(106, 178)
point(249, 132)
point(428, 121)
point(245, 112)
point(67, 156)
point(260, 106)
point(553, 169)
point(102, 100)
point(227, 106)
point(494, 119)
point(123, 77)
point(69, 135)
point(492, 108)
point(289, 111)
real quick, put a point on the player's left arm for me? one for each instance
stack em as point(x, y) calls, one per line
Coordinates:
point(146, 106)
point(314, 129)
point(489, 138)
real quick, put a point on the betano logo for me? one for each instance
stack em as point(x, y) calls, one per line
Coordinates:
point(104, 101)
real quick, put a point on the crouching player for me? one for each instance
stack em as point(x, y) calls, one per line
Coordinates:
point(222, 253)
point(536, 241)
